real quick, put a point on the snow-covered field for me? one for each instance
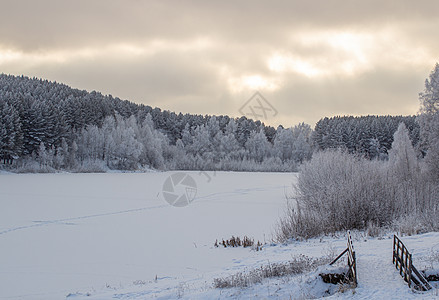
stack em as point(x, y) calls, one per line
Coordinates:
point(68, 233)
point(104, 236)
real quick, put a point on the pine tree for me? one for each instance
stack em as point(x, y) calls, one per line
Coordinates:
point(11, 138)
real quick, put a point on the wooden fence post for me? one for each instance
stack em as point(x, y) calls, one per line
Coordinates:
point(352, 261)
point(409, 279)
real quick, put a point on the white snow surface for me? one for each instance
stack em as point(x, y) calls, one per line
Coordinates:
point(113, 236)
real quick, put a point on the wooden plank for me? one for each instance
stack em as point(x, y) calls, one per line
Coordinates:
point(406, 276)
point(425, 285)
point(338, 257)
point(416, 281)
point(355, 269)
point(401, 262)
point(396, 259)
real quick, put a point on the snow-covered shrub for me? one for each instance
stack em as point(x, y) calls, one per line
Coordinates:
point(374, 230)
point(28, 165)
point(297, 223)
point(434, 257)
point(298, 265)
point(408, 225)
point(92, 166)
point(340, 191)
point(416, 222)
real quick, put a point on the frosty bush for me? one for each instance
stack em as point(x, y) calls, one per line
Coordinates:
point(340, 191)
point(374, 230)
point(92, 166)
point(297, 223)
point(337, 191)
point(27, 165)
point(408, 225)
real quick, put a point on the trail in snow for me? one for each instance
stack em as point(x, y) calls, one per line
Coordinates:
point(377, 275)
point(64, 221)
point(217, 197)
point(201, 199)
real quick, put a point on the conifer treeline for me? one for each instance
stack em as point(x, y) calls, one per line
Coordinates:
point(52, 126)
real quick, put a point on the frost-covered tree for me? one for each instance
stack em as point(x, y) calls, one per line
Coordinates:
point(73, 152)
point(402, 157)
point(301, 148)
point(229, 147)
point(106, 138)
point(153, 144)
point(43, 156)
point(61, 160)
point(90, 143)
point(231, 127)
point(284, 143)
point(258, 147)
point(127, 148)
point(201, 141)
point(429, 122)
point(186, 136)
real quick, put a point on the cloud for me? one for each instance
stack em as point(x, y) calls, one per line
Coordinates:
point(311, 59)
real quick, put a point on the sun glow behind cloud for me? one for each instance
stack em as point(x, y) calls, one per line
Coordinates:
point(288, 63)
point(349, 52)
point(253, 83)
point(8, 55)
point(345, 53)
point(329, 53)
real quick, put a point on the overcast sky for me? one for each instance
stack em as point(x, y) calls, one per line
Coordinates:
point(309, 59)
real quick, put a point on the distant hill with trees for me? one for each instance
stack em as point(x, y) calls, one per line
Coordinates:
point(48, 126)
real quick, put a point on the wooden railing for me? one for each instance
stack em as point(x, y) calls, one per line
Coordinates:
point(352, 262)
point(402, 259)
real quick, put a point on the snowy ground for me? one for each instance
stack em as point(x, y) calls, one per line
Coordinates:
point(104, 236)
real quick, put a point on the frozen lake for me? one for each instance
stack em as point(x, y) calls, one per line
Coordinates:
point(64, 233)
